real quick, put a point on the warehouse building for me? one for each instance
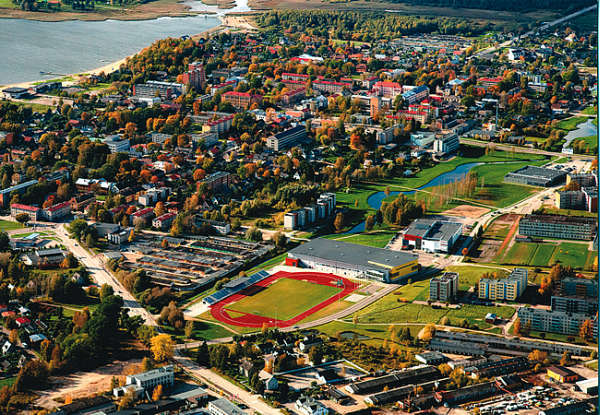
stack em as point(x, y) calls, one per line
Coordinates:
point(432, 235)
point(558, 226)
point(413, 375)
point(588, 386)
point(536, 176)
point(562, 374)
point(444, 287)
point(355, 261)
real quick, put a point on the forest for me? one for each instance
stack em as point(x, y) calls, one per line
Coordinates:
point(509, 5)
point(365, 26)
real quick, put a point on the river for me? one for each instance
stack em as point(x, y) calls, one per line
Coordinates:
point(374, 201)
point(29, 47)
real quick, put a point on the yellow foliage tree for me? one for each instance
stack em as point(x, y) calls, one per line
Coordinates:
point(162, 347)
point(157, 393)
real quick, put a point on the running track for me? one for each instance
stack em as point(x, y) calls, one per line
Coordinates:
point(250, 320)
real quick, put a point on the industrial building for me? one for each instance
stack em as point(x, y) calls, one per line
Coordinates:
point(589, 386)
point(555, 321)
point(536, 176)
point(562, 374)
point(355, 261)
point(509, 288)
point(416, 374)
point(444, 287)
point(558, 226)
point(465, 342)
point(432, 235)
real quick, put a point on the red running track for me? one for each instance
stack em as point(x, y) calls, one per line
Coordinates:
point(251, 320)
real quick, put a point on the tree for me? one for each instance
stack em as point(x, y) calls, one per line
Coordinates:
point(162, 347)
point(106, 291)
point(189, 329)
point(517, 327)
point(586, 331)
point(338, 223)
point(203, 356)
point(22, 218)
point(157, 393)
point(159, 209)
point(13, 336)
point(369, 222)
point(537, 356)
point(279, 239)
point(147, 364)
point(428, 332)
point(565, 359)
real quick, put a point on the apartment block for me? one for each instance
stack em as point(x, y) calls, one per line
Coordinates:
point(444, 287)
point(558, 226)
point(509, 288)
point(555, 321)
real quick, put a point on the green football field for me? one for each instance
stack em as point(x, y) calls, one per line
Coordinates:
point(284, 299)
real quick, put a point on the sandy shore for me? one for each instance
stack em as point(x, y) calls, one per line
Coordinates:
point(228, 22)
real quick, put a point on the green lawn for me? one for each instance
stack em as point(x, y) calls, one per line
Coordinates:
point(591, 110)
point(418, 290)
point(376, 334)
point(7, 381)
point(569, 212)
point(469, 275)
point(493, 176)
point(6, 225)
point(35, 107)
point(570, 253)
point(276, 300)
point(593, 365)
point(570, 123)
point(208, 331)
point(591, 143)
point(520, 253)
point(377, 239)
point(542, 255)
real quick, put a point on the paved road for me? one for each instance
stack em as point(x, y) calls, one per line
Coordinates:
point(101, 275)
point(519, 149)
point(235, 392)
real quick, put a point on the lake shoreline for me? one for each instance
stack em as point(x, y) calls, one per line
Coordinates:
point(115, 65)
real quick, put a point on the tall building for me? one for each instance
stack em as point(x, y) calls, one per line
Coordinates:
point(195, 76)
point(509, 288)
point(287, 139)
point(444, 287)
point(558, 226)
point(446, 143)
point(582, 287)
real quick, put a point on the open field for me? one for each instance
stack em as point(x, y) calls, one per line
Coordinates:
point(570, 124)
point(470, 275)
point(467, 211)
point(270, 302)
point(6, 225)
point(418, 290)
point(370, 335)
point(591, 144)
point(268, 264)
point(547, 254)
point(588, 21)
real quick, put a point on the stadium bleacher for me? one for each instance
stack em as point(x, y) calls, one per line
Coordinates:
point(234, 287)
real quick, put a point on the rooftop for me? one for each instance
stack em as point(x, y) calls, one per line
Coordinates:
point(433, 229)
point(354, 254)
point(560, 219)
point(535, 171)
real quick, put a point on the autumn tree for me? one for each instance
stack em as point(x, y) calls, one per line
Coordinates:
point(586, 330)
point(428, 332)
point(338, 223)
point(162, 347)
point(517, 327)
point(538, 356)
point(157, 393)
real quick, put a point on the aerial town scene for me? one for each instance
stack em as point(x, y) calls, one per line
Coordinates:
point(299, 207)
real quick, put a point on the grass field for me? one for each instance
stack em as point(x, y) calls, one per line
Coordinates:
point(570, 124)
point(591, 143)
point(587, 21)
point(7, 381)
point(470, 275)
point(418, 290)
point(569, 212)
point(6, 225)
point(572, 254)
point(268, 302)
point(35, 107)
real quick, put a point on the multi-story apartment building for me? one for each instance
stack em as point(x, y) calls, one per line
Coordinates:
point(581, 287)
point(413, 94)
point(32, 211)
point(164, 221)
point(195, 76)
point(583, 305)
point(509, 288)
point(220, 126)
point(444, 287)
point(387, 89)
point(583, 179)
point(286, 76)
point(331, 87)
point(558, 226)
point(164, 90)
point(218, 180)
point(584, 199)
point(56, 212)
point(286, 139)
point(117, 144)
point(241, 99)
point(164, 376)
point(555, 321)
point(5, 194)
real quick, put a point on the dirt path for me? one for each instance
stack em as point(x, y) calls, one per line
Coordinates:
point(81, 384)
point(510, 235)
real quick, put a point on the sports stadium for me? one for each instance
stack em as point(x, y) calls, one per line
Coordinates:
point(281, 299)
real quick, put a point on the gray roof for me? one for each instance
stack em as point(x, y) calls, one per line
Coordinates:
point(433, 229)
point(151, 374)
point(539, 172)
point(361, 255)
point(227, 407)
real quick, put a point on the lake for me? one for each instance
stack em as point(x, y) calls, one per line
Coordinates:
point(584, 129)
point(375, 200)
point(29, 46)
